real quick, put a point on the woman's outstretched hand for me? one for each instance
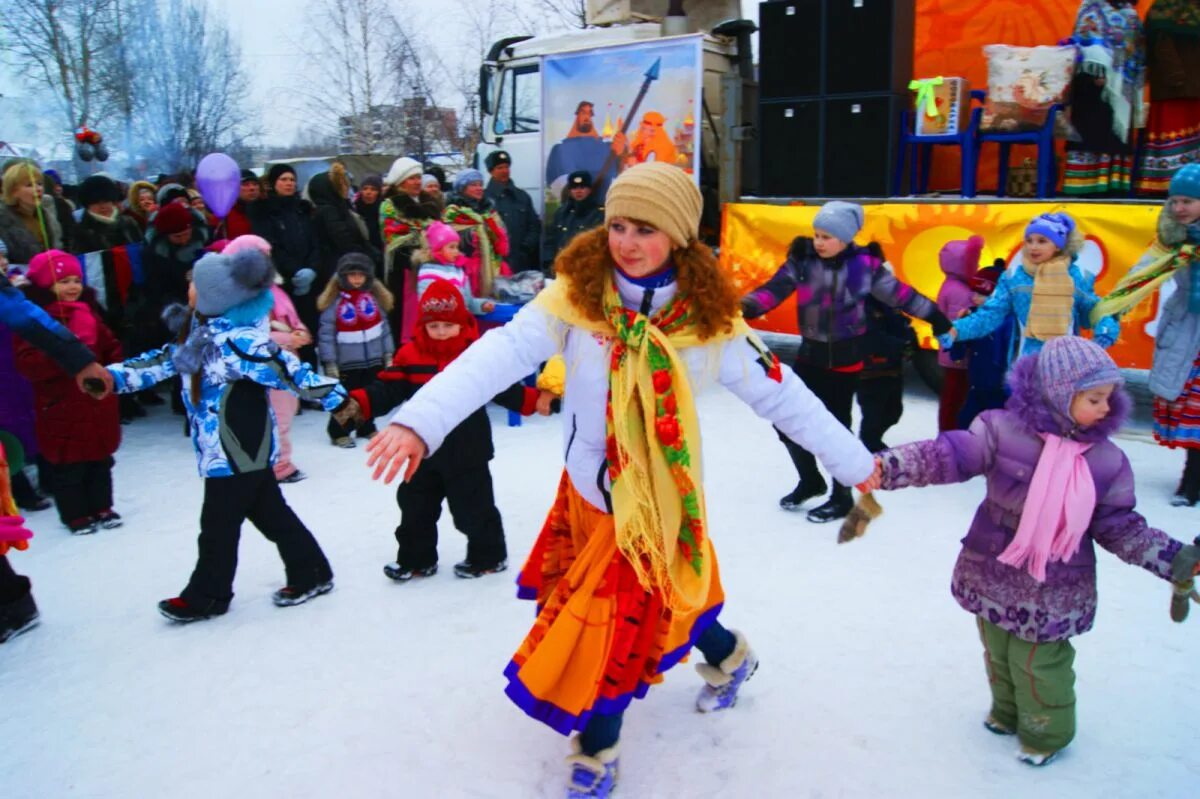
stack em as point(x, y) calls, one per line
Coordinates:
point(391, 448)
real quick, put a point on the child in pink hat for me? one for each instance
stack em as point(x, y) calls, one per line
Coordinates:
point(441, 260)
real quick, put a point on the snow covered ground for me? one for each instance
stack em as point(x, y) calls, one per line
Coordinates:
point(871, 685)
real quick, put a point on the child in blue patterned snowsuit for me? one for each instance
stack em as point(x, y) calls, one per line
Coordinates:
point(228, 363)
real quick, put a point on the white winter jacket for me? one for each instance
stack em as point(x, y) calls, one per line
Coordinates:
point(507, 354)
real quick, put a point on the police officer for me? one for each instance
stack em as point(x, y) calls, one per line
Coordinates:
point(578, 212)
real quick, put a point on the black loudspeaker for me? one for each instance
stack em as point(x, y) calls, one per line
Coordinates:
point(869, 46)
point(790, 51)
point(790, 137)
point(860, 143)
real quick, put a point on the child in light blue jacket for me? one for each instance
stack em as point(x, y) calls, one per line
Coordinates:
point(1047, 295)
point(228, 363)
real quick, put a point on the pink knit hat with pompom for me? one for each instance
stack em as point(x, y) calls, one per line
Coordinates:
point(439, 234)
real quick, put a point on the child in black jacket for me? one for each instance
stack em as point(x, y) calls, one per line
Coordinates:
point(458, 472)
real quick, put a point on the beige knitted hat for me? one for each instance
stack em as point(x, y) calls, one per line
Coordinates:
point(660, 195)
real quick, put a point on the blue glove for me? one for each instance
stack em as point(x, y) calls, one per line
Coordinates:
point(302, 281)
point(945, 341)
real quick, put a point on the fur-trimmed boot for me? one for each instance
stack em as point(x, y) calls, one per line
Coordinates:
point(592, 776)
point(723, 682)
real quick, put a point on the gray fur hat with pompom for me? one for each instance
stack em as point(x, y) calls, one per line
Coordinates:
point(223, 281)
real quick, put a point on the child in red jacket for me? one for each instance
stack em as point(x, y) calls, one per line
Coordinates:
point(76, 434)
point(458, 471)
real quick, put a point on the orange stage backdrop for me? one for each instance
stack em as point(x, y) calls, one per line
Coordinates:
point(950, 35)
point(755, 238)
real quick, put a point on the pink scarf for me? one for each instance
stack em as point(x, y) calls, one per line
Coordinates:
point(1058, 508)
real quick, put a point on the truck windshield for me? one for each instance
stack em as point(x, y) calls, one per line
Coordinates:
point(519, 100)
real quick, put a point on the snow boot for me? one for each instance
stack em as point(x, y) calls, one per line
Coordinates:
point(294, 477)
point(17, 616)
point(108, 519)
point(1188, 492)
point(402, 574)
point(803, 492)
point(723, 682)
point(84, 526)
point(25, 495)
point(837, 507)
point(592, 776)
point(995, 725)
point(1035, 758)
point(290, 595)
point(180, 610)
point(468, 570)
point(344, 442)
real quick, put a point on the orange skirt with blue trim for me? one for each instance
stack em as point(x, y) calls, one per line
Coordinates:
point(600, 639)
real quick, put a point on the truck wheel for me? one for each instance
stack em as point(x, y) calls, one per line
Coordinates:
point(926, 364)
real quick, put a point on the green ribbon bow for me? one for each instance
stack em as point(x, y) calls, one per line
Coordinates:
point(924, 89)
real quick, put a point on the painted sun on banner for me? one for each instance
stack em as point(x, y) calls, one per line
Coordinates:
point(605, 110)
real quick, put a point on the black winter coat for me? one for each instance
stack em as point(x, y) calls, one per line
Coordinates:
point(522, 223)
point(369, 214)
point(570, 219)
point(338, 231)
point(286, 222)
point(91, 234)
point(23, 245)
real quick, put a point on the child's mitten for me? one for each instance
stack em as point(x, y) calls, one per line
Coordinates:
point(554, 376)
point(1184, 568)
point(13, 533)
point(866, 510)
point(348, 412)
point(945, 341)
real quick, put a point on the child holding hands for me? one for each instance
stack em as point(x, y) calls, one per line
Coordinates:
point(458, 472)
point(1056, 486)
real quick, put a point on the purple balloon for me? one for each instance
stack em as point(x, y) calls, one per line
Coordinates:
point(218, 180)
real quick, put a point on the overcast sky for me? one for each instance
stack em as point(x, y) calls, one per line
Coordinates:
point(269, 32)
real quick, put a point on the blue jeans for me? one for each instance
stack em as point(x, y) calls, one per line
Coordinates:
point(602, 730)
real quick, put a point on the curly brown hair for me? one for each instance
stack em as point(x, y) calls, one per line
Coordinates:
point(587, 264)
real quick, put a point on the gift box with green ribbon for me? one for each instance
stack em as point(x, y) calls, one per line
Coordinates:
point(940, 105)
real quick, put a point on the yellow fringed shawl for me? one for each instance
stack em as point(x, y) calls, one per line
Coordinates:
point(653, 442)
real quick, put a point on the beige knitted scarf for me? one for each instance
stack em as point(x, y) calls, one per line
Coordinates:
point(1050, 313)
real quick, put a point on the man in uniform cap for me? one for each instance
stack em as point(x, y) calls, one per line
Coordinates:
point(579, 212)
point(516, 209)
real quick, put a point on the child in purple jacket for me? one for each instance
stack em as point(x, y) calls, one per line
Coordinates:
point(831, 278)
point(1055, 486)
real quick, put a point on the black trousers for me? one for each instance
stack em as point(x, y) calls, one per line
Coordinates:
point(12, 585)
point(469, 494)
point(350, 380)
point(81, 490)
point(836, 392)
point(229, 501)
point(881, 400)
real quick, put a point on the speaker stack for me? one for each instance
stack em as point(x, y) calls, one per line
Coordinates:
point(833, 76)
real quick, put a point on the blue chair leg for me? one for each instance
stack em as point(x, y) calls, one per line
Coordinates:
point(1044, 168)
point(914, 167)
point(898, 170)
point(970, 164)
point(1003, 184)
point(926, 167)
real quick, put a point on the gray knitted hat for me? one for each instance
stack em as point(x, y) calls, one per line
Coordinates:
point(840, 219)
point(223, 281)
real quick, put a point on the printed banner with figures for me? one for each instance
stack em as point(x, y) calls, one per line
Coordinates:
point(755, 238)
point(603, 110)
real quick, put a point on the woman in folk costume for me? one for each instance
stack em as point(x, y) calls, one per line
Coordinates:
point(1175, 372)
point(405, 213)
point(484, 238)
point(1173, 63)
point(1106, 97)
point(624, 571)
point(1047, 294)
